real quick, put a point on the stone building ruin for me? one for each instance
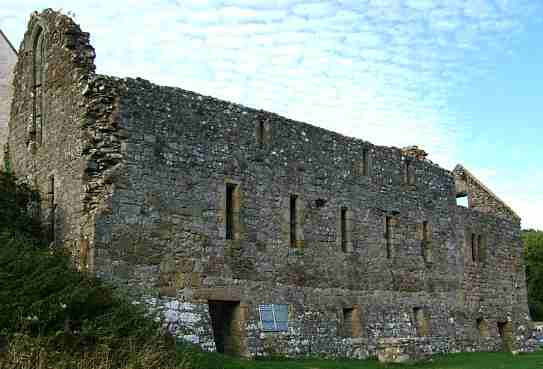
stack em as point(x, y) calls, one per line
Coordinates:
point(255, 234)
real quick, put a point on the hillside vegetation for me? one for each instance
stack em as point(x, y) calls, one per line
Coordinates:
point(52, 316)
point(533, 251)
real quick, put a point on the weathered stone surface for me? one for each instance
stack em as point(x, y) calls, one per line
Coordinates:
point(401, 350)
point(211, 209)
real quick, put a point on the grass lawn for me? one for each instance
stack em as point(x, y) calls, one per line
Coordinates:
point(480, 360)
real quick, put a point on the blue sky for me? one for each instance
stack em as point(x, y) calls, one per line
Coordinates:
point(459, 78)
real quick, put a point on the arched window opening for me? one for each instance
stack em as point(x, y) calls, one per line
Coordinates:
point(38, 79)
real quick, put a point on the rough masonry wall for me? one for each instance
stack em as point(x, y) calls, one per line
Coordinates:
point(167, 231)
point(494, 283)
point(8, 58)
point(49, 155)
point(480, 198)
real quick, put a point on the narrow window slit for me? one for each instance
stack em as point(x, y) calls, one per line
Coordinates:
point(293, 220)
point(425, 231)
point(365, 162)
point(38, 59)
point(473, 247)
point(388, 236)
point(343, 229)
point(230, 190)
point(52, 208)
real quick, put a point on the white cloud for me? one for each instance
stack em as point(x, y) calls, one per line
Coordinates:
point(314, 10)
point(385, 67)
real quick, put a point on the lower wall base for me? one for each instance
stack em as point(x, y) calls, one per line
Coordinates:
point(311, 333)
point(185, 320)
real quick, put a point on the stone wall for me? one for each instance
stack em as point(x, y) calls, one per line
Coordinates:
point(210, 209)
point(49, 153)
point(8, 57)
point(168, 230)
point(480, 197)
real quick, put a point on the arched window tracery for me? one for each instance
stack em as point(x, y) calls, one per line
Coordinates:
point(38, 79)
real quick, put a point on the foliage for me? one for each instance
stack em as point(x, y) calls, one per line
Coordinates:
point(37, 352)
point(42, 294)
point(533, 249)
point(7, 164)
point(16, 202)
point(53, 316)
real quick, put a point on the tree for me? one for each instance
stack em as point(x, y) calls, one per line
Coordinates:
point(533, 249)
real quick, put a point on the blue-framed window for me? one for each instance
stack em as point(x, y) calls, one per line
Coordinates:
point(274, 317)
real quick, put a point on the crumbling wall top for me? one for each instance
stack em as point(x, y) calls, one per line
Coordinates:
point(480, 197)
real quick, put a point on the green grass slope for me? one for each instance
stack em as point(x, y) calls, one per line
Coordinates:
point(479, 360)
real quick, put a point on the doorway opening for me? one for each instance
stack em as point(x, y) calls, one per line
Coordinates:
point(227, 326)
point(505, 329)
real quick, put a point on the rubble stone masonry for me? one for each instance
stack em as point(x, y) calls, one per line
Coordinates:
point(216, 212)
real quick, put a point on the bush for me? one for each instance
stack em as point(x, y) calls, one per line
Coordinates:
point(56, 317)
point(17, 201)
point(533, 254)
point(41, 292)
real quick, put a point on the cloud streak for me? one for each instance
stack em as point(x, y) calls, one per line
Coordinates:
point(380, 70)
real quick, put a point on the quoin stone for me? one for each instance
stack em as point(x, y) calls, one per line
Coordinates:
point(253, 234)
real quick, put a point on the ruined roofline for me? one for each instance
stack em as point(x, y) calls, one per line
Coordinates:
point(271, 115)
point(402, 152)
point(3, 35)
point(119, 81)
point(461, 168)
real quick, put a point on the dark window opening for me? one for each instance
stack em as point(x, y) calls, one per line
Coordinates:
point(348, 328)
point(425, 231)
point(473, 247)
point(365, 162)
point(52, 208)
point(343, 229)
point(407, 170)
point(505, 330)
point(320, 203)
point(388, 236)
point(230, 191)
point(293, 220)
point(260, 134)
point(52, 191)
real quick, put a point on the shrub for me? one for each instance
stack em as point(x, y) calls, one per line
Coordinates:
point(53, 316)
